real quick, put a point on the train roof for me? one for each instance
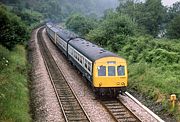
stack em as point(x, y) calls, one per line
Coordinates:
point(90, 50)
point(54, 29)
point(66, 35)
point(49, 23)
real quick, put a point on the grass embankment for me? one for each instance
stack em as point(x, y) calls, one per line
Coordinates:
point(14, 96)
point(154, 69)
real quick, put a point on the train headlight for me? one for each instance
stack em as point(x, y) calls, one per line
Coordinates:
point(100, 84)
point(123, 84)
point(118, 83)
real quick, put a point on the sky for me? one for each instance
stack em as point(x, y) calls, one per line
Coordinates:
point(169, 2)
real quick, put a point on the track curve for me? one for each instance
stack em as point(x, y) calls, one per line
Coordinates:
point(69, 103)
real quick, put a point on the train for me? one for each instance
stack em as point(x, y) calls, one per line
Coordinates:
point(105, 71)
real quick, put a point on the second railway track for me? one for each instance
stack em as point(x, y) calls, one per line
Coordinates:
point(119, 112)
point(70, 105)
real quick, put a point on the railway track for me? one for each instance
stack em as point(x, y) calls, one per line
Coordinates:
point(70, 105)
point(119, 112)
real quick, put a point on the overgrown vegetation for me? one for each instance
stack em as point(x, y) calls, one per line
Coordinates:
point(59, 10)
point(80, 24)
point(13, 30)
point(14, 105)
point(14, 94)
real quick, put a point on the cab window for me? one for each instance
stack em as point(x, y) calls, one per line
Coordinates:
point(121, 70)
point(111, 70)
point(101, 71)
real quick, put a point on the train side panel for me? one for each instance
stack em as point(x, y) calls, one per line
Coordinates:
point(81, 62)
point(52, 32)
point(62, 45)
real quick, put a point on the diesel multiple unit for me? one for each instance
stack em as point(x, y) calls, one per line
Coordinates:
point(106, 72)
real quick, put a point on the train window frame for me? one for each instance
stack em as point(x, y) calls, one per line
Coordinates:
point(111, 72)
point(78, 57)
point(71, 51)
point(123, 70)
point(85, 64)
point(75, 55)
point(81, 59)
point(89, 66)
point(102, 73)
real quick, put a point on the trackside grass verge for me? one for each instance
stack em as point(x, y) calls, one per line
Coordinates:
point(14, 96)
point(154, 70)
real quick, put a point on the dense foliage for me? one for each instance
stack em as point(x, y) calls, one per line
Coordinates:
point(113, 31)
point(13, 30)
point(58, 10)
point(80, 24)
point(14, 96)
point(173, 30)
point(150, 14)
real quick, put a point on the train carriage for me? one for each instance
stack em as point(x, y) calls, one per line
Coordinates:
point(63, 37)
point(106, 71)
point(52, 32)
point(48, 26)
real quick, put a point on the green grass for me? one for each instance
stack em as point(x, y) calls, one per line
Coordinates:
point(14, 96)
point(154, 69)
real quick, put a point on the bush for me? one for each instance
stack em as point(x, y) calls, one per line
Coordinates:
point(4, 58)
point(173, 30)
point(14, 96)
point(113, 31)
point(80, 24)
point(13, 30)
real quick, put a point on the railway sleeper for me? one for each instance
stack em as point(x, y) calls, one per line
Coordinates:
point(77, 112)
point(73, 115)
point(78, 119)
point(117, 110)
point(67, 100)
point(64, 94)
point(72, 108)
point(127, 120)
point(119, 114)
point(70, 104)
point(112, 104)
point(115, 107)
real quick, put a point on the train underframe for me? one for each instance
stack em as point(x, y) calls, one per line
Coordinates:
point(111, 92)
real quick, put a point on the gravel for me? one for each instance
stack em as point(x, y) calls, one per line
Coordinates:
point(136, 109)
point(44, 103)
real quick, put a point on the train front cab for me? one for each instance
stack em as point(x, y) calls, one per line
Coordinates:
point(110, 75)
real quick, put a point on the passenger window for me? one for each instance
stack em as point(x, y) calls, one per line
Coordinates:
point(101, 71)
point(121, 70)
point(81, 59)
point(111, 70)
point(71, 51)
point(85, 63)
point(89, 66)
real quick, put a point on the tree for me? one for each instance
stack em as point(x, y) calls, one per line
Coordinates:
point(149, 15)
point(113, 31)
point(174, 11)
point(13, 30)
point(80, 24)
point(173, 30)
